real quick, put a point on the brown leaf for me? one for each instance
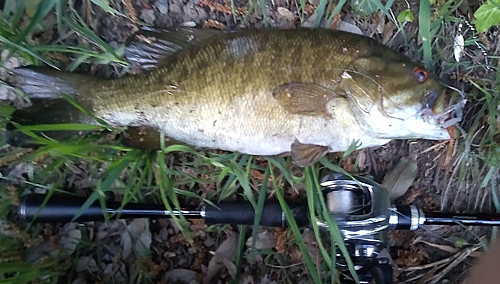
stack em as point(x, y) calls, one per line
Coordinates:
point(180, 275)
point(401, 177)
point(136, 238)
point(223, 257)
point(265, 240)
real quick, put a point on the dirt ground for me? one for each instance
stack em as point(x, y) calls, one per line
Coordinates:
point(437, 187)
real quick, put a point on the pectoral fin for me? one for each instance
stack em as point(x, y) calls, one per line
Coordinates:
point(304, 155)
point(304, 98)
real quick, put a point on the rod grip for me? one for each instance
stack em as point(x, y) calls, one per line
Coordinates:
point(58, 209)
point(243, 213)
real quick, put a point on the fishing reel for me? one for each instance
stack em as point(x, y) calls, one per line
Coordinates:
point(362, 211)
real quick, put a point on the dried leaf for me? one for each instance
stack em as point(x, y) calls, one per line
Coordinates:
point(136, 238)
point(348, 27)
point(265, 240)
point(401, 177)
point(287, 14)
point(449, 249)
point(70, 240)
point(222, 257)
point(179, 275)
point(86, 263)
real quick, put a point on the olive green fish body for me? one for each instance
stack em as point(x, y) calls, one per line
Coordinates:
point(268, 92)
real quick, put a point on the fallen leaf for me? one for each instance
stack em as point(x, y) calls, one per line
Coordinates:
point(309, 23)
point(287, 15)
point(86, 263)
point(179, 276)
point(70, 240)
point(136, 238)
point(348, 27)
point(401, 177)
point(265, 240)
point(223, 257)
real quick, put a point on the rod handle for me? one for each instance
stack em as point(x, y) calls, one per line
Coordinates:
point(62, 208)
point(58, 208)
point(243, 213)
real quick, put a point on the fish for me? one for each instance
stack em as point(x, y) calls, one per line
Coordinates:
point(304, 92)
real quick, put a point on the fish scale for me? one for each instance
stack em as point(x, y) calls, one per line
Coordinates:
point(268, 92)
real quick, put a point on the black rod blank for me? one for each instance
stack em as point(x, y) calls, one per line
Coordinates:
point(479, 219)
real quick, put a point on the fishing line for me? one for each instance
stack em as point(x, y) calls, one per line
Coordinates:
point(459, 42)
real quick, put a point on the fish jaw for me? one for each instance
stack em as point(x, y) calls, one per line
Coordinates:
point(400, 125)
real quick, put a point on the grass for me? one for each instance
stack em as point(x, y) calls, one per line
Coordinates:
point(138, 176)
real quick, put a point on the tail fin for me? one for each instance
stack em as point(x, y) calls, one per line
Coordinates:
point(45, 83)
point(46, 89)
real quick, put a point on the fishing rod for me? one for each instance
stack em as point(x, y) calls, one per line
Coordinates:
point(360, 207)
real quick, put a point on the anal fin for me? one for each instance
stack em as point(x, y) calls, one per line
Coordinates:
point(304, 155)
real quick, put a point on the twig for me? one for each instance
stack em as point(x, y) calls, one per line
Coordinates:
point(429, 265)
point(461, 256)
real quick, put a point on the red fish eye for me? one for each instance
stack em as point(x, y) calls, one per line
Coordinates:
point(420, 74)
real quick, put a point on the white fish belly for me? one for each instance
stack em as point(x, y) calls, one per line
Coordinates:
point(258, 125)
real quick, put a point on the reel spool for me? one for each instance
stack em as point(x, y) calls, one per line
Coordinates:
point(360, 207)
point(362, 210)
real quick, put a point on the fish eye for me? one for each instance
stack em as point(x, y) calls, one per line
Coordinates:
point(420, 74)
point(430, 99)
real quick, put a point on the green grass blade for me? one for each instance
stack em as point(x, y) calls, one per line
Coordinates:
point(320, 12)
point(292, 225)
point(243, 177)
point(334, 231)
point(65, 126)
point(13, 47)
point(250, 11)
point(168, 195)
point(44, 7)
point(311, 197)
point(258, 210)
point(265, 17)
point(104, 5)
point(16, 7)
point(241, 247)
point(84, 30)
point(425, 32)
point(302, 11)
point(233, 11)
point(336, 10)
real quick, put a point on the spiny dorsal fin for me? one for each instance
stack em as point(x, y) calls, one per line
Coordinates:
point(150, 47)
point(304, 155)
point(304, 98)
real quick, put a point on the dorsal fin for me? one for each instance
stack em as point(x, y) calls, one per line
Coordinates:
point(150, 47)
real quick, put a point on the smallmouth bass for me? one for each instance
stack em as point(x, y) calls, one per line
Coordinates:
point(259, 92)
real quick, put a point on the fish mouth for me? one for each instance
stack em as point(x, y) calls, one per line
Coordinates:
point(445, 109)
